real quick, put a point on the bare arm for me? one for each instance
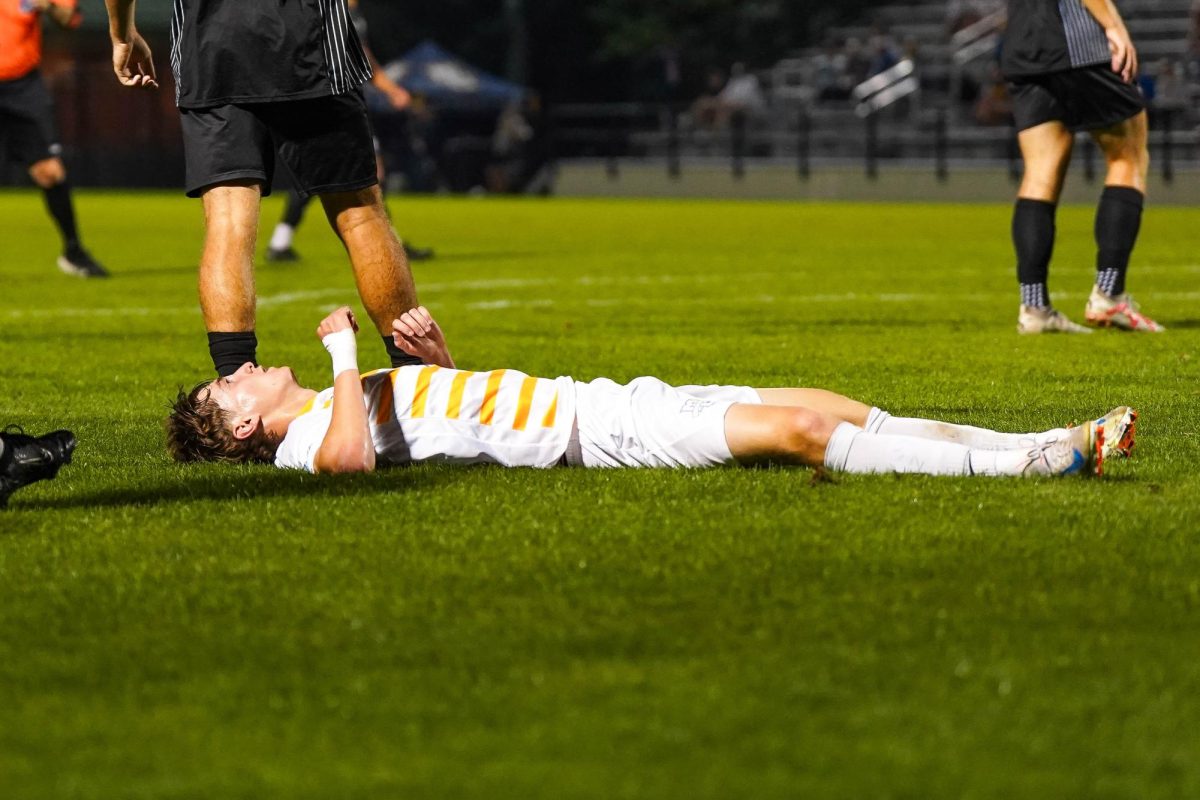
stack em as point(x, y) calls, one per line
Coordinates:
point(65, 15)
point(397, 95)
point(347, 446)
point(1124, 54)
point(132, 60)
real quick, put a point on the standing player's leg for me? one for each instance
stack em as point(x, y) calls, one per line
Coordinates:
point(381, 271)
point(1046, 150)
point(227, 297)
point(280, 247)
point(1118, 221)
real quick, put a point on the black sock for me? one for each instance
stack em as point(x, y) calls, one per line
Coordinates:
point(58, 203)
point(1033, 238)
point(1118, 220)
point(295, 209)
point(398, 356)
point(230, 350)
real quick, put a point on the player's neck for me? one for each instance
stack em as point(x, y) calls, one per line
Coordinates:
point(296, 403)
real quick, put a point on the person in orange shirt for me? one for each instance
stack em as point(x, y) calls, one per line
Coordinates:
point(27, 130)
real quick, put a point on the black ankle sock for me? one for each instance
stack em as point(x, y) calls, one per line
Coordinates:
point(230, 350)
point(58, 203)
point(398, 356)
point(1118, 220)
point(1033, 238)
point(294, 212)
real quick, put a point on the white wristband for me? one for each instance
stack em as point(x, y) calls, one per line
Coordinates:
point(343, 349)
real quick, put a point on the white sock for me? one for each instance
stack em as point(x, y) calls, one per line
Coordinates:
point(1000, 462)
point(851, 449)
point(879, 421)
point(281, 239)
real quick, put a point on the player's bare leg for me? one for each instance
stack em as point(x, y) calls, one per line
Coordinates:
point(1046, 150)
point(1118, 221)
point(50, 175)
point(381, 271)
point(820, 400)
point(227, 297)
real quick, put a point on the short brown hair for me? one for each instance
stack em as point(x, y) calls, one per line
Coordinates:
point(198, 430)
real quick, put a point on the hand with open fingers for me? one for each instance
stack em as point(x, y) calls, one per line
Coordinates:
point(134, 64)
point(1124, 54)
point(340, 319)
point(417, 333)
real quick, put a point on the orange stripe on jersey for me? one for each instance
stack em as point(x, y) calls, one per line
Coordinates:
point(307, 407)
point(454, 406)
point(551, 413)
point(524, 402)
point(488, 410)
point(421, 393)
point(387, 399)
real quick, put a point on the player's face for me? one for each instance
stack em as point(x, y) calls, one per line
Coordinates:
point(254, 390)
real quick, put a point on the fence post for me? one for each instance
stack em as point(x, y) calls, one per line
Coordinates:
point(872, 146)
point(1168, 167)
point(614, 144)
point(941, 146)
point(804, 145)
point(738, 143)
point(1014, 156)
point(673, 170)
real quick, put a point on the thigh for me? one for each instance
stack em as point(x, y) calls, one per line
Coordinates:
point(647, 423)
point(225, 145)
point(326, 143)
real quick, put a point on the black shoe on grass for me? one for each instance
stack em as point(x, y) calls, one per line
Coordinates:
point(28, 459)
point(418, 253)
point(79, 262)
point(286, 254)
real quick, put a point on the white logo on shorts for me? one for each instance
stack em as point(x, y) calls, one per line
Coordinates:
point(695, 407)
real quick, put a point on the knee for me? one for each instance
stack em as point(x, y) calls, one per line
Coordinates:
point(808, 430)
point(48, 173)
point(349, 210)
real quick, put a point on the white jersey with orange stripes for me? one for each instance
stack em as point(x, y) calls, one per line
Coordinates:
point(428, 413)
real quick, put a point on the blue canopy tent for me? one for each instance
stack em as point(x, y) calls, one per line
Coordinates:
point(449, 83)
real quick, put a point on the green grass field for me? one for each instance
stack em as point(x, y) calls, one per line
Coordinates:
point(218, 632)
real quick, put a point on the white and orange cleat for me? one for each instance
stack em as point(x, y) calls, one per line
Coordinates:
point(1120, 312)
point(1032, 320)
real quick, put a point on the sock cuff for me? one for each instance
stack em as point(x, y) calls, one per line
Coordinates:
point(875, 419)
point(1124, 194)
point(837, 452)
point(399, 357)
point(1036, 205)
point(230, 350)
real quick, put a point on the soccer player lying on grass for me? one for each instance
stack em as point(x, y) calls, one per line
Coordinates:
point(438, 413)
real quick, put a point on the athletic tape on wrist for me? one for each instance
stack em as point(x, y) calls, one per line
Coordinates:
point(343, 349)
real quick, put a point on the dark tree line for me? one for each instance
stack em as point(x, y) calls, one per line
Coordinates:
point(591, 50)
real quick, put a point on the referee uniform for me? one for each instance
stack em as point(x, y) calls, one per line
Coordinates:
point(253, 78)
point(1058, 66)
point(28, 133)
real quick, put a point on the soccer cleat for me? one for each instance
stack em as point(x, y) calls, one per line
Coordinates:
point(1121, 312)
point(1117, 429)
point(282, 254)
point(417, 253)
point(27, 459)
point(1046, 320)
point(79, 262)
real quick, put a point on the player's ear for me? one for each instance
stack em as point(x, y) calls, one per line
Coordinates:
point(245, 426)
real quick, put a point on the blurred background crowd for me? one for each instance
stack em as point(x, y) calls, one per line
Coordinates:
point(505, 89)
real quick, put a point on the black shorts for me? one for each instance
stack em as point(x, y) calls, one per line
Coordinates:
point(1083, 99)
point(326, 144)
point(27, 127)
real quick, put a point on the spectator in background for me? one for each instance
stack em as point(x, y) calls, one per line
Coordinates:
point(509, 150)
point(27, 126)
point(706, 108)
point(994, 106)
point(829, 73)
point(743, 94)
point(1194, 41)
point(883, 51)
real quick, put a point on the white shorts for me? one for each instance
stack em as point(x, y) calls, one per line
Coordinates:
point(647, 423)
